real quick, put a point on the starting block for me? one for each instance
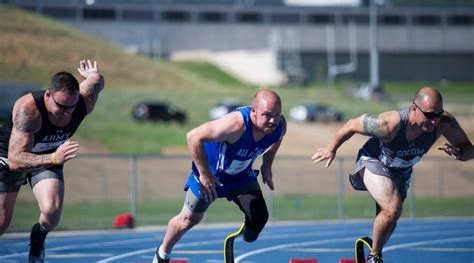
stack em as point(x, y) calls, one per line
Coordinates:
point(303, 260)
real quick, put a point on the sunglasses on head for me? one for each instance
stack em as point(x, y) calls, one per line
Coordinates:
point(62, 106)
point(430, 115)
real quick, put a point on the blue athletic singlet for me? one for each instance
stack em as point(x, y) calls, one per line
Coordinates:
point(232, 163)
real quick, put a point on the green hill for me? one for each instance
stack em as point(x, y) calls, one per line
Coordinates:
point(34, 47)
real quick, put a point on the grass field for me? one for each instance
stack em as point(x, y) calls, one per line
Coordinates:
point(100, 215)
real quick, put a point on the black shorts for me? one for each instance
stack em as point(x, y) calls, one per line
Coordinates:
point(12, 181)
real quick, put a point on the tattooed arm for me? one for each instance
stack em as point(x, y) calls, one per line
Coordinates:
point(383, 126)
point(26, 122)
point(459, 146)
point(93, 83)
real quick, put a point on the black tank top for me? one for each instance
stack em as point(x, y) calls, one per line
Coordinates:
point(399, 153)
point(49, 137)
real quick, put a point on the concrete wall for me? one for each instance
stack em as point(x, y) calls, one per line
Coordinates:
point(414, 43)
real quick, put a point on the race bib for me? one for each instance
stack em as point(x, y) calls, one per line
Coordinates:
point(237, 166)
point(400, 163)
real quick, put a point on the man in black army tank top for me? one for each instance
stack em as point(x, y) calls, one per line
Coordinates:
point(398, 140)
point(34, 145)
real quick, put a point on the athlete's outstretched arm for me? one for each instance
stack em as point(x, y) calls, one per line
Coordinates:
point(93, 83)
point(459, 146)
point(381, 126)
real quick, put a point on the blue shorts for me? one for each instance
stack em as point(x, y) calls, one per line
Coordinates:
point(228, 187)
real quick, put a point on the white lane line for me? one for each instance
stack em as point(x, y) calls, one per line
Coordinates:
point(444, 249)
point(328, 241)
point(79, 255)
point(151, 250)
point(95, 244)
point(270, 236)
point(429, 242)
point(266, 237)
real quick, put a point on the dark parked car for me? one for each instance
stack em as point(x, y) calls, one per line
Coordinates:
point(158, 111)
point(315, 112)
point(222, 108)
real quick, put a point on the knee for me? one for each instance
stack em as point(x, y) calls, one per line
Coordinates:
point(393, 213)
point(261, 220)
point(254, 225)
point(257, 216)
point(187, 222)
point(51, 215)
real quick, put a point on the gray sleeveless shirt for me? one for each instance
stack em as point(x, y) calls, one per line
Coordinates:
point(399, 154)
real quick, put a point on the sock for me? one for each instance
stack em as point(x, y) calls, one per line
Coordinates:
point(38, 234)
point(162, 254)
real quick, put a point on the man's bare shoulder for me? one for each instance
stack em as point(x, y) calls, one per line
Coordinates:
point(27, 101)
point(230, 122)
point(234, 116)
point(448, 122)
point(383, 126)
point(26, 115)
point(391, 118)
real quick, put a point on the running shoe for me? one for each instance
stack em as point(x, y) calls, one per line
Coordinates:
point(376, 258)
point(157, 259)
point(36, 254)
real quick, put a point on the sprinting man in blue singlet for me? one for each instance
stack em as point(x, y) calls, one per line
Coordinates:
point(223, 152)
point(398, 140)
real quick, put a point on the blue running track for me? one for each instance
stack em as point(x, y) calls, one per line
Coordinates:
point(414, 241)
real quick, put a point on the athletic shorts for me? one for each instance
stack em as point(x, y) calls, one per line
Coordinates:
point(230, 183)
point(198, 205)
point(12, 181)
point(401, 179)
